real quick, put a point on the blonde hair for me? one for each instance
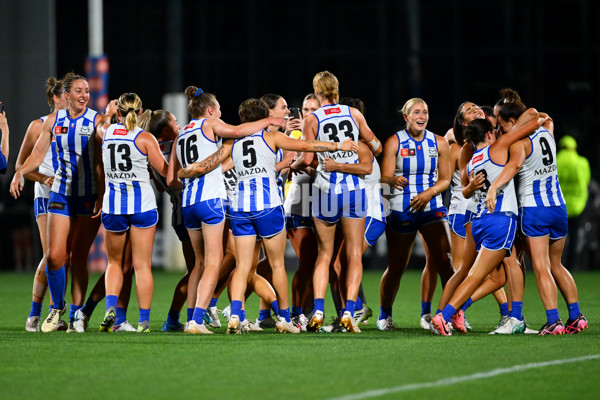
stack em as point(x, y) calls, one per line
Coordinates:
point(154, 121)
point(129, 106)
point(327, 85)
point(411, 103)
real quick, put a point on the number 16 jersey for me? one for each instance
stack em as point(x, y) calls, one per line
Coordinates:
point(538, 179)
point(127, 180)
point(337, 125)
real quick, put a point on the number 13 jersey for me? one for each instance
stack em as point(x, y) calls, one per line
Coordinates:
point(538, 179)
point(254, 163)
point(127, 180)
point(337, 125)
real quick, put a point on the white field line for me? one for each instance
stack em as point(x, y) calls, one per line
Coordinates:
point(458, 379)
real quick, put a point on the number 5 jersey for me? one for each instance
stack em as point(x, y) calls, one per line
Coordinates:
point(538, 179)
point(127, 180)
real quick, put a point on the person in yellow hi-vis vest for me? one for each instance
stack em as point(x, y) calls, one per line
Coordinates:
point(574, 178)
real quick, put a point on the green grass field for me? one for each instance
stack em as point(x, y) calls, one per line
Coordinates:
point(410, 363)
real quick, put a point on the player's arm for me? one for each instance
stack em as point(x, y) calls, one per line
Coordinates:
point(515, 162)
point(364, 166)
point(208, 164)
point(366, 133)
point(237, 131)
point(388, 165)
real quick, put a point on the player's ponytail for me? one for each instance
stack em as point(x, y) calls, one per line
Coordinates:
point(511, 105)
point(129, 106)
point(54, 87)
point(199, 101)
point(327, 85)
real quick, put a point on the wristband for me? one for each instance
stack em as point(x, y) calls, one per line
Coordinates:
point(375, 144)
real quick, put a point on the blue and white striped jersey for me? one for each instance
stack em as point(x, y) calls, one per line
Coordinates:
point(417, 161)
point(75, 148)
point(506, 198)
point(376, 206)
point(48, 167)
point(538, 179)
point(337, 125)
point(254, 162)
point(458, 203)
point(127, 180)
point(193, 146)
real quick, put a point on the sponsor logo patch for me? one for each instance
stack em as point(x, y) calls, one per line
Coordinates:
point(478, 158)
point(120, 132)
point(408, 152)
point(190, 126)
point(335, 110)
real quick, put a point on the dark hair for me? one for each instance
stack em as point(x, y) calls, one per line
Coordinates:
point(154, 121)
point(199, 101)
point(253, 110)
point(271, 100)
point(70, 78)
point(311, 96)
point(54, 87)
point(476, 130)
point(354, 102)
point(488, 110)
point(511, 105)
point(457, 125)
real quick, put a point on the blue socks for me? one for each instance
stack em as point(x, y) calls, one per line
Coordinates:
point(359, 304)
point(285, 314)
point(504, 309)
point(296, 311)
point(350, 307)
point(111, 301)
point(385, 312)
point(56, 284)
point(263, 314)
point(144, 315)
point(173, 317)
point(465, 306)
point(36, 309)
point(236, 308)
point(190, 314)
point(425, 307)
point(516, 310)
point(199, 315)
point(213, 302)
point(275, 307)
point(121, 315)
point(552, 315)
point(320, 305)
point(573, 311)
point(448, 312)
point(72, 310)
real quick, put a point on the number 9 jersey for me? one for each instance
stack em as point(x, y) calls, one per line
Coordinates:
point(538, 179)
point(127, 180)
point(337, 125)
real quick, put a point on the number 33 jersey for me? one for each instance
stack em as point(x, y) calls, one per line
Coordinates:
point(506, 198)
point(538, 179)
point(254, 163)
point(127, 180)
point(337, 125)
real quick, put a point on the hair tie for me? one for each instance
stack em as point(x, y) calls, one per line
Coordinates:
point(198, 92)
point(130, 109)
point(152, 114)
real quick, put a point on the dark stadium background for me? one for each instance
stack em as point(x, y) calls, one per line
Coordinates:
point(384, 52)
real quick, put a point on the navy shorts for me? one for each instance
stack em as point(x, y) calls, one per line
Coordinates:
point(408, 222)
point(298, 222)
point(495, 231)
point(265, 223)
point(210, 212)
point(544, 221)
point(40, 206)
point(373, 230)
point(330, 207)
point(71, 206)
point(121, 223)
point(457, 224)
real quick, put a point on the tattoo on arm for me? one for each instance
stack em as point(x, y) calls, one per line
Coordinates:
point(203, 167)
point(316, 145)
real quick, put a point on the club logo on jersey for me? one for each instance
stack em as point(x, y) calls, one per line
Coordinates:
point(408, 152)
point(433, 152)
point(478, 158)
point(72, 125)
point(190, 126)
point(120, 132)
point(335, 110)
point(60, 129)
point(85, 131)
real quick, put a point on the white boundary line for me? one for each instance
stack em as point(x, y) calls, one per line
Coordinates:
point(458, 379)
